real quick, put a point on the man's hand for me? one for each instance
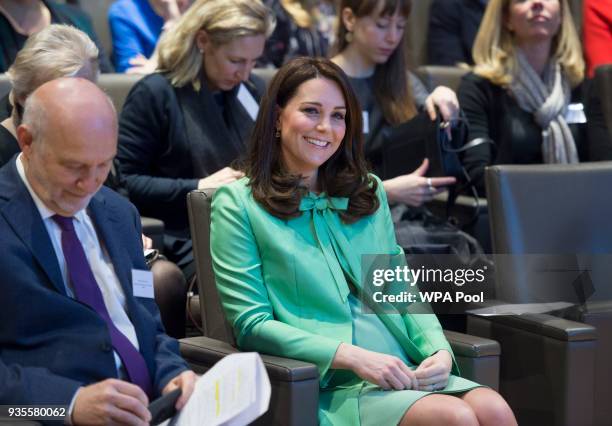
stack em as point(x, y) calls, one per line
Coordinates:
point(386, 371)
point(111, 401)
point(222, 177)
point(186, 381)
point(432, 374)
point(147, 243)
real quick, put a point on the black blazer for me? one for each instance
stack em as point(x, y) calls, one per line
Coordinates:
point(453, 25)
point(169, 138)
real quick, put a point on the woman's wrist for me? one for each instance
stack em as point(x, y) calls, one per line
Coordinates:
point(345, 357)
point(389, 187)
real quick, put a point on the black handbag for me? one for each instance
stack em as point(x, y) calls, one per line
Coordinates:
point(409, 143)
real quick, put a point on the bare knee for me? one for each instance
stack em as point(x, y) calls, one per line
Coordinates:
point(459, 415)
point(490, 408)
point(440, 410)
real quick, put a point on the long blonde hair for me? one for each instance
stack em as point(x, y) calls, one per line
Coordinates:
point(223, 21)
point(494, 47)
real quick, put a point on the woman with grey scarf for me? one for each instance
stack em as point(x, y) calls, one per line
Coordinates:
point(525, 92)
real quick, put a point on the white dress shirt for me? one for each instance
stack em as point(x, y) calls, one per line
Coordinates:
point(99, 262)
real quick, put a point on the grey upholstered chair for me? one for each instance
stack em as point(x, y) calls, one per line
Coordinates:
point(438, 75)
point(559, 373)
point(117, 87)
point(295, 384)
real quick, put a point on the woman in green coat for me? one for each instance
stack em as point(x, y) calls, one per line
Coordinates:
point(287, 242)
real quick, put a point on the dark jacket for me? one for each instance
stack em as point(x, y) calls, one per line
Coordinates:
point(453, 25)
point(51, 344)
point(169, 138)
point(11, 42)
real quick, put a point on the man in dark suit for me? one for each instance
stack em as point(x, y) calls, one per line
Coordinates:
point(73, 332)
point(453, 25)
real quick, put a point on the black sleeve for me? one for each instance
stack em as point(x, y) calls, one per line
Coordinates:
point(599, 135)
point(147, 129)
point(476, 99)
point(277, 45)
point(444, 44)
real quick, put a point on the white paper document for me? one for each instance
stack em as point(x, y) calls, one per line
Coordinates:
point(235, 391)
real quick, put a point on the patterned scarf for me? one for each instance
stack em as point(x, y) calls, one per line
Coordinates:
point(547, 99)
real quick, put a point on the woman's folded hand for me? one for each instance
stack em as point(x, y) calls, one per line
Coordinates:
point(432, 374)
point(386, 371)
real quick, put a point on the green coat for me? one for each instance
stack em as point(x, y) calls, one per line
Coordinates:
point(284, 289)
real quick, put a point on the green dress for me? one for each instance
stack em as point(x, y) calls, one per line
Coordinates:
point(285, 286)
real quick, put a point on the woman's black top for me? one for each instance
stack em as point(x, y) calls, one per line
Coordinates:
point(493, 113)
point(170, 137)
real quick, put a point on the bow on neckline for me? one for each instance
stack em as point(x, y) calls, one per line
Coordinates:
point(322, 202)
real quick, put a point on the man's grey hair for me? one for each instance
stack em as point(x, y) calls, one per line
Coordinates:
point(55, 51)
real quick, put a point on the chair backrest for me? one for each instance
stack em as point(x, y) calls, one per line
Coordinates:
point(266, 74)
point(558, 211)
point(117, 86)
point(603, 87)
point(577, 12)
point(214, 324)
point(98, 12)
point(437, 75)
point(5, 85)
point(418, 28)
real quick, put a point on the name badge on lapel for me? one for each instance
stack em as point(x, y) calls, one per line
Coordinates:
point(575, 114)
point(366, 122)
point(248, 102)
point(142, 283)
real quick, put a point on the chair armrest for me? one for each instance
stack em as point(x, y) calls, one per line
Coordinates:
point(466, 345)
point(477, 357)
point(547, 368)
point(205, 352)
point(154, 229)
point(544, 325)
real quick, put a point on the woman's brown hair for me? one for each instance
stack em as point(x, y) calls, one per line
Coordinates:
point(344, 174)
point(391, 85)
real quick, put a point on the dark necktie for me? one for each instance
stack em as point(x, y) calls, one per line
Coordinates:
point(87, 291)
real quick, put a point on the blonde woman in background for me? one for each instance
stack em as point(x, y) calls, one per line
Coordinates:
point(303, 28)
point(526, 92)
point(182, 127)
